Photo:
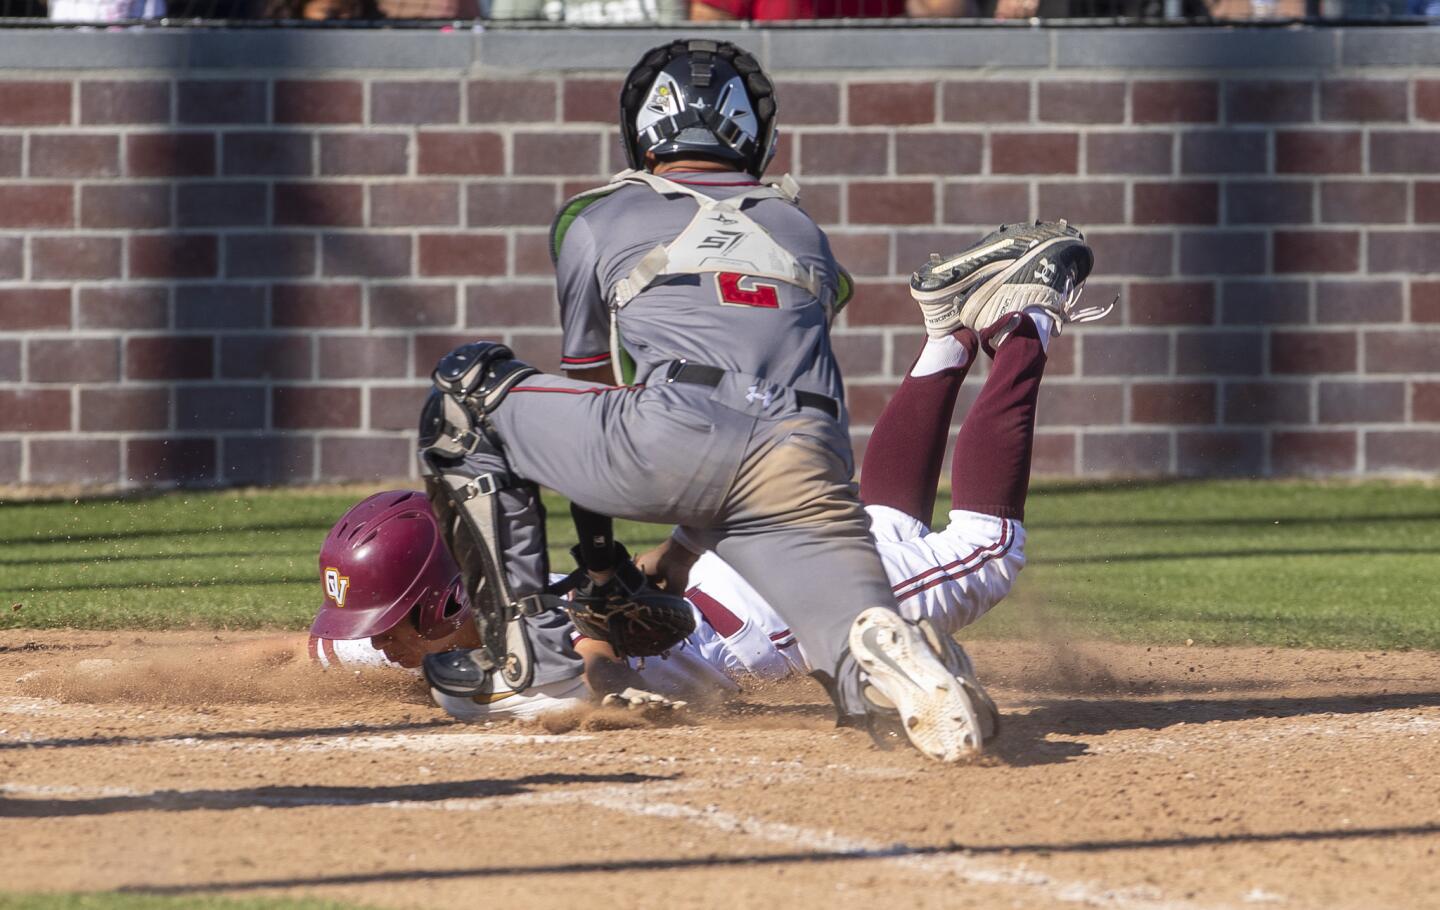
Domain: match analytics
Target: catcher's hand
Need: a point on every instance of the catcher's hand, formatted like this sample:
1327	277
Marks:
640	700
634	618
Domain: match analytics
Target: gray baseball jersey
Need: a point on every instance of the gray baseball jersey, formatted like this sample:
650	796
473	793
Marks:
770	329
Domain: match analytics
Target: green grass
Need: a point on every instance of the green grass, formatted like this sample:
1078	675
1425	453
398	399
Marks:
1274	563
107	900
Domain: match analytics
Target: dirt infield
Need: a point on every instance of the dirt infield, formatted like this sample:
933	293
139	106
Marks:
1125	777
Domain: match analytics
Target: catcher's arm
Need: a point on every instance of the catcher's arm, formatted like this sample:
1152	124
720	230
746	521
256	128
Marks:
668	565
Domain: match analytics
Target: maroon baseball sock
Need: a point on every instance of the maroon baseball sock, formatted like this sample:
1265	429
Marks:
991	469
907	449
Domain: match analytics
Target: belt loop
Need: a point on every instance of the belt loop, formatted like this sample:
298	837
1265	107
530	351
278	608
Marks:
675	367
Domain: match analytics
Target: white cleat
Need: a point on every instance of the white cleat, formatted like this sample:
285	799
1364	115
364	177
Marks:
936	707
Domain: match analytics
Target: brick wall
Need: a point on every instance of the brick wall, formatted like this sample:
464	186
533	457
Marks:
242	274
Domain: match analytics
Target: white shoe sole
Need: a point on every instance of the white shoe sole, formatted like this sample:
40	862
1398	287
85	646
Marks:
935	707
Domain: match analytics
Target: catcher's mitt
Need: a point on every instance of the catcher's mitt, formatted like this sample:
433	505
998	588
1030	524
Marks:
635	618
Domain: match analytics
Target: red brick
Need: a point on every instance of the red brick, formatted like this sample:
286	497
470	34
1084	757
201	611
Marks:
1034	153
1425	301
1001	102
862	253
489	305
220	407
1317	152
1405	152
10	357
320	204
431	346
415	102
821	202
809	103
1364	100
350	154
125	205
1271	101
1223	152
315	305
398	407
12	257
11	456
1087	102
561	154
125	102
366	255
36	205
118	409
881	303
1128	153
405	204
219	306
1128	354
1222	253
1207	454
1266	302
365	357
34	103
891	203
526	101
1363	402
269	255
267	154
590	100
460	153
986	202
509	203
72	360
1200	353
1083	203
74	155
1312	453
319	101
169	357
1175	102
1125	454
1403	450
1170	303
1172	403
1132	253
1404	251
265	460
1267	403
222	204
220	101
124	307
1085	404
266	357
1313	352
74	258
1370	201
939	153
179	460
24	309
170	154
891	103
1359	301
462	254
412	305
1176	203
1426	403
531	254
1053	455
844	153
1317	251
34	410
365	457
1269	202
12	150
316	407
859	355
174	256
1427	99
866	400
83	462
1412	351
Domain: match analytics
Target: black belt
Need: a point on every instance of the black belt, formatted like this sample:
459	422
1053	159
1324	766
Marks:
700	374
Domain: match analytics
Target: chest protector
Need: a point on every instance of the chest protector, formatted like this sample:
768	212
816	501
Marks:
720	238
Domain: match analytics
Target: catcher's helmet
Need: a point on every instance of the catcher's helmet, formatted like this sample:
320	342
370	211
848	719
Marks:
701	99
384	560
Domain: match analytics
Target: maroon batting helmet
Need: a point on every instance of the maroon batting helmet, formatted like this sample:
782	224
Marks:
383	561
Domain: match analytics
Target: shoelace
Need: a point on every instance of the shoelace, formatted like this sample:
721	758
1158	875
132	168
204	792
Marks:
1068	312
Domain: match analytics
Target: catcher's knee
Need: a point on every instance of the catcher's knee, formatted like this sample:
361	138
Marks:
469	384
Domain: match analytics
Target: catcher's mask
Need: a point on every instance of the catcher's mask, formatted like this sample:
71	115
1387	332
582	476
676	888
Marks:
699	99
384	561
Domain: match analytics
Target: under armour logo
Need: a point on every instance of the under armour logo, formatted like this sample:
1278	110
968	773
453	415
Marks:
754	394
1045	270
